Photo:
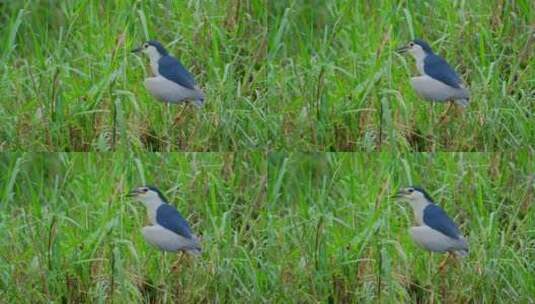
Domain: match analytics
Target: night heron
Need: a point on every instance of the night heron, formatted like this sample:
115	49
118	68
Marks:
435	230
438	81
169	230
172	82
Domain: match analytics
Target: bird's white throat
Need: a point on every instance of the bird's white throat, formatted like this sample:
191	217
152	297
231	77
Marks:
154	57
418	206
152	204
419	54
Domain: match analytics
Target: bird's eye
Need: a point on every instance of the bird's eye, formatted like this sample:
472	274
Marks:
411	44
411	190
146	45
145	190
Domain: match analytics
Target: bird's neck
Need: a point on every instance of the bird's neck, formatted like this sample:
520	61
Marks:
152	205
420	64
418	207
154	58
420	56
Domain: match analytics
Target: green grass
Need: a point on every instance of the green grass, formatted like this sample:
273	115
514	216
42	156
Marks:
283	228
69	234
280	78
345	241
339	85
293	75
68	81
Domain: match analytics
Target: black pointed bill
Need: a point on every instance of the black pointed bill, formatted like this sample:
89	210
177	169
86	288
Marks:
133	193
400	194
403	49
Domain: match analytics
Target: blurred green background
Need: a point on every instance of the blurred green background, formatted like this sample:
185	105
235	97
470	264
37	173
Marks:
344	240
278	228
337	83
69	234
68	81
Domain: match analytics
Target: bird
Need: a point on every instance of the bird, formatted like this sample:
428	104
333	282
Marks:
436	231
438	80
172	82
169	230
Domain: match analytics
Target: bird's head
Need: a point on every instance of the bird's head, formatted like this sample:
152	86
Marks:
148	195
417	48
152	48
414	195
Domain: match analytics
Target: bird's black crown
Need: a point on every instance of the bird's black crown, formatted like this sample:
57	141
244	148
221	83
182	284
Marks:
160	194
158	46
420	189
424	45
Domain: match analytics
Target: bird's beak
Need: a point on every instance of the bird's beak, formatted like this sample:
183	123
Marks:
137	50
133	193
403	49
399	195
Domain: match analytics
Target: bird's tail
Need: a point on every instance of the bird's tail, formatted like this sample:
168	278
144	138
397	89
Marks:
199	100
199	103
462	102
461	253
462	248
195	249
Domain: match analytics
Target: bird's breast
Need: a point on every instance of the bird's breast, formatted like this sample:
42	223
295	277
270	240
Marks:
420	65
419	216
154	68
152	216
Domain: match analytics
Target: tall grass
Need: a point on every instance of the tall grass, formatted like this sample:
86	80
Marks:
70	235
292	227
297	75
339	85
344	240
68	81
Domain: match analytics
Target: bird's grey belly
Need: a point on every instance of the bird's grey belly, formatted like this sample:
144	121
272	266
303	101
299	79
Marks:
433	240
435	90
167	240
168	91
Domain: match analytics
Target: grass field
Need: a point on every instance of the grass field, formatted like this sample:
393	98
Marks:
345	241
306	228
281	218
340	86
68	81
69	234
282	75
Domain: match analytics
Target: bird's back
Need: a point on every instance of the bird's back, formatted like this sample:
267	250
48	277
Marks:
172	69
436	67
437	219
168	217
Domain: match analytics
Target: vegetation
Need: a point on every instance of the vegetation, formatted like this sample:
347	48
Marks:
68	81
344	240
69	234
293	75
341	86
281	218
301	228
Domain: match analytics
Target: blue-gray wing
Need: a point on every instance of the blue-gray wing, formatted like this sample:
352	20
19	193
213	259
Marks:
171	68
167	216
439	69
437	219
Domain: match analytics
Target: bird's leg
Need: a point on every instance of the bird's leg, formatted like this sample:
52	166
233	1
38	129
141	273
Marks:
443	263
177	262
163	274
443	287
443	116
179	116
429	263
